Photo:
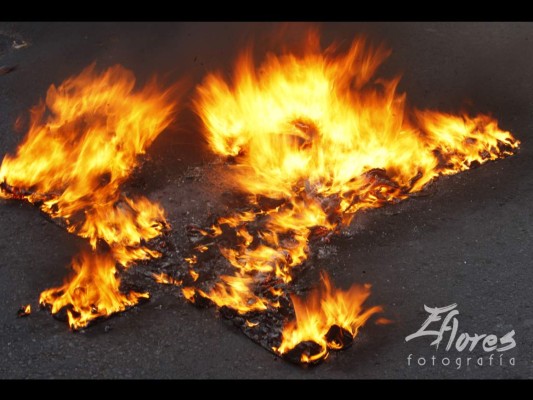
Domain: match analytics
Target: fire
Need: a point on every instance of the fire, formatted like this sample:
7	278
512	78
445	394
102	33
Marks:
314	139
165	279
24	311
82	145
323	138
329	318
92	291
235	293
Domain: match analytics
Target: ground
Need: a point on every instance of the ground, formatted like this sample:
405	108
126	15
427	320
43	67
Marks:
468	242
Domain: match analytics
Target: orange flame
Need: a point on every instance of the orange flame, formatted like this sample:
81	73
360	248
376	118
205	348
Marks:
235	292
323	309
92	291
24	311
166	279
326	138
82	144
319	123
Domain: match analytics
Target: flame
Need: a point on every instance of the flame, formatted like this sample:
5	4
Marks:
318	135
323	309
194	275
92	291
325	138
24	311
188	293
82	145
235	292
318	124
166	279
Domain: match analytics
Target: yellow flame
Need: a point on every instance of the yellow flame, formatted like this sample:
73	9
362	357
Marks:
320	311
235	292
166	279
24	311
321	134
82	144
92	291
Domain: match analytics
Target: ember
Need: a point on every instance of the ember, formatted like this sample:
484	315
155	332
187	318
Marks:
24	311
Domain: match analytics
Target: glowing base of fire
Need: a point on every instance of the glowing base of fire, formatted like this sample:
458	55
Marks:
327	319
92	292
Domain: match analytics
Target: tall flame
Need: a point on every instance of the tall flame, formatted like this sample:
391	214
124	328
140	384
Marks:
81	146
326	138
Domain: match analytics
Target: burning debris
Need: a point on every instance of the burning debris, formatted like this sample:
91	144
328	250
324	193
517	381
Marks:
321	138
82	145
328	318
24	311
92	291
310	141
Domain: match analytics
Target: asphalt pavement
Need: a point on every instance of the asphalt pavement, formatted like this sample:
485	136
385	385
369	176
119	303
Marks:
469	242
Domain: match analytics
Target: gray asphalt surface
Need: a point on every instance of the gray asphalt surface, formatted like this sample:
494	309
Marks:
469	242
